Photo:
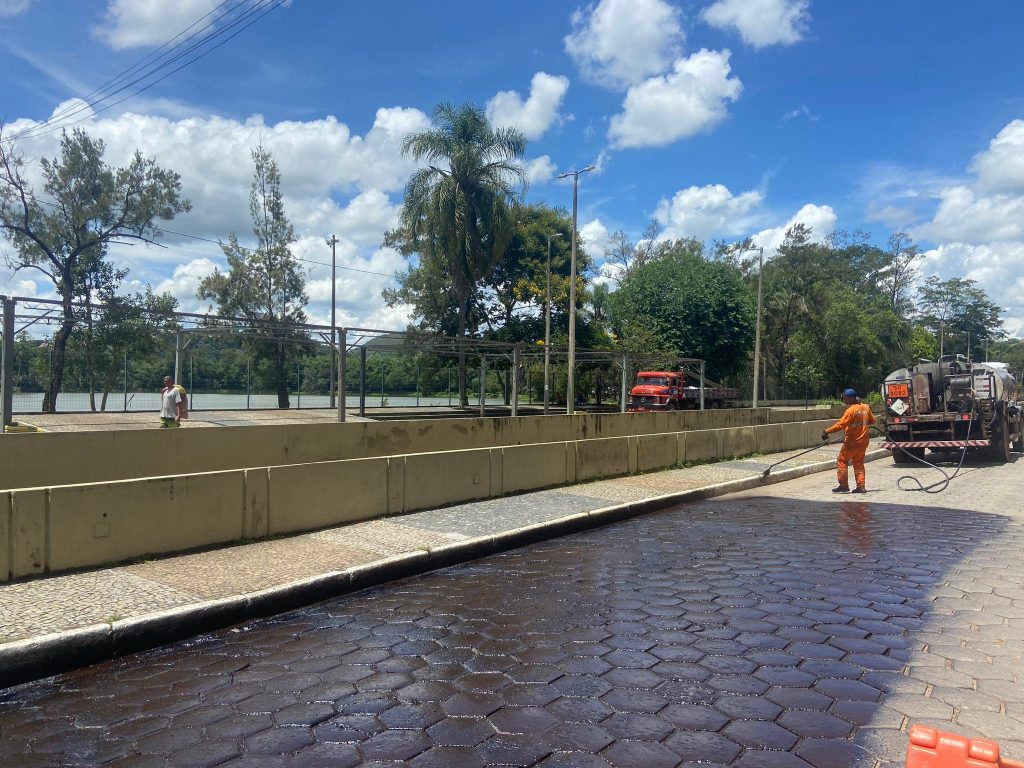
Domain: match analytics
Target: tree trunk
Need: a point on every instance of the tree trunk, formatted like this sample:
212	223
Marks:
60	343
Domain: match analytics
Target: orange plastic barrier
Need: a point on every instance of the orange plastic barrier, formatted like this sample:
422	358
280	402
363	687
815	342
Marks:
931	748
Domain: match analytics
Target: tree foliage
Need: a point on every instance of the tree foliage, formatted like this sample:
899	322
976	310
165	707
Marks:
457	216
266	284
90	205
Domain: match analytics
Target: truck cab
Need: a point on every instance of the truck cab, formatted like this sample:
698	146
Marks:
656	391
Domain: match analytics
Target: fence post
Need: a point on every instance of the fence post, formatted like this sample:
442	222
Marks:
515	381
702	385
483	383
7	367
625	382
362	380
126	382
342	354
298	384
178	372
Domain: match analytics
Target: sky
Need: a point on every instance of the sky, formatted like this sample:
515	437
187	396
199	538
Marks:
718	118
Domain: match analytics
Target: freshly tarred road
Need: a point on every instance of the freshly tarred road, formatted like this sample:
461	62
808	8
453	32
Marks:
751	630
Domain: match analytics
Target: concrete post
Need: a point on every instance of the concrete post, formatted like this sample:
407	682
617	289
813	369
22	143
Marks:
178	350
362	380
483	384
342	349
625	383
7	367
702	385
515	381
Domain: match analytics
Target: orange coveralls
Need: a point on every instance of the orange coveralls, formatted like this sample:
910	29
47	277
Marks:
856	420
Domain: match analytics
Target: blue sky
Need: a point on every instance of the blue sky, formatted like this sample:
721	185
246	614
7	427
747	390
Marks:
720	118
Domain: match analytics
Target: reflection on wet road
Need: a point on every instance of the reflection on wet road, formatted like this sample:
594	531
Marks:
747	631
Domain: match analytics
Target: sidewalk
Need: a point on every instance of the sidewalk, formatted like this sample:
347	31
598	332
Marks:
52	624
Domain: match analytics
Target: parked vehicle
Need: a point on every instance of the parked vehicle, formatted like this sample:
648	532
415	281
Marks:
952	404
668	391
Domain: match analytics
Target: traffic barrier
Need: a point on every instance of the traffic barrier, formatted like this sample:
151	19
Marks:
79	525
932	748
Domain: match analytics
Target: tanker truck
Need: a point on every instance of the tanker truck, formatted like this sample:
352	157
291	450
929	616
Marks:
952	404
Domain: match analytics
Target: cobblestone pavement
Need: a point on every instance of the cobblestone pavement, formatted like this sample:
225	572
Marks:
779	627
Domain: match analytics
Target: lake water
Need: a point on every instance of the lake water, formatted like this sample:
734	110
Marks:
78	402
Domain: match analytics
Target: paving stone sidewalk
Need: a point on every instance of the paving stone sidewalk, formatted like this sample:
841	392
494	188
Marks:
62	603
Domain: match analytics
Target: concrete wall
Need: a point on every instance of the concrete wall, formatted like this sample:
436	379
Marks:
48	459
71	526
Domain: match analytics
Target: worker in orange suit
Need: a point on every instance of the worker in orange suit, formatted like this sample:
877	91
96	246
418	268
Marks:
856	421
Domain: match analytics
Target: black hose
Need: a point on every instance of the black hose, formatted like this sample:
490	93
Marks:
946	477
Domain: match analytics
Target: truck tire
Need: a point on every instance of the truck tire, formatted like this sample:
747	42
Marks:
671	405
999	451
715	404
1018	444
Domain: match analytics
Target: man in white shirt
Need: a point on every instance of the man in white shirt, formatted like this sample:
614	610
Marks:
171	404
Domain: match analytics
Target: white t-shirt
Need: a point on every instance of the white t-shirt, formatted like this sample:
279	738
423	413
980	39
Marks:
170	397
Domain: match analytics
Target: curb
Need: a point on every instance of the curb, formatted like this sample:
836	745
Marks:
22	661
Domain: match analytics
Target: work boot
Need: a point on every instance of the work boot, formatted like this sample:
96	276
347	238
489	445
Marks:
860	489
841	489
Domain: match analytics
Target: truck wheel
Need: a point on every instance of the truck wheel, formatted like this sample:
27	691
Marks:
903	456
999	451
671	405
1018	444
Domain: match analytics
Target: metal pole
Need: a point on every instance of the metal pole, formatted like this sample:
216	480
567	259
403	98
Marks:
382	382
126	382
7	367
625	383
570	387
547	331
248	385
298	384
702	385
515	381
757	328
449	387
483	383
417	383
333	242
362	380
342	348
178	349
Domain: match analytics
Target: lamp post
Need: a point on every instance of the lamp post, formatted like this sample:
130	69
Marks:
547	330
757	329
570	388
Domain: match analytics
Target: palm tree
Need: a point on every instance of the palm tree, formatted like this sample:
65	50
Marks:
459	210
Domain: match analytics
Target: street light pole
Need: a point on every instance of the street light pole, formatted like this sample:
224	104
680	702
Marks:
547	330
757	329
333	242
570	388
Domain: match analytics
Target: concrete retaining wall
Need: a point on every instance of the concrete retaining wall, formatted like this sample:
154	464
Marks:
66	458
71	526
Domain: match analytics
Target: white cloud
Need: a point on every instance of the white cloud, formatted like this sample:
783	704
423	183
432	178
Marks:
965	217
594	238
9	8
539	170
801	111
620	42
709	210
1000	168
135	23
535	115
184	283
690	99
761	22
820	218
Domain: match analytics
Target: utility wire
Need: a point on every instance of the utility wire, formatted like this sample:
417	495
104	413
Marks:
259	11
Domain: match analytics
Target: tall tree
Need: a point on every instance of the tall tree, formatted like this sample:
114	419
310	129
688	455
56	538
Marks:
91	205
696	307
458	211
266	285
897	274
958	312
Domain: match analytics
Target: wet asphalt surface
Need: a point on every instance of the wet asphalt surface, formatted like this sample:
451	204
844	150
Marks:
744	631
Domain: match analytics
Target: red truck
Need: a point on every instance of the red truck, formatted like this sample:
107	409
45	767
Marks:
667	391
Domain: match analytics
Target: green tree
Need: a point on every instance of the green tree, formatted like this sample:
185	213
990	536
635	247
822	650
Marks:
458	212
696	307
91	205
959	313
265	285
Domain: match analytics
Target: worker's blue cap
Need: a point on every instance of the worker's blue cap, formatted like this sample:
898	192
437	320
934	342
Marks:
849	393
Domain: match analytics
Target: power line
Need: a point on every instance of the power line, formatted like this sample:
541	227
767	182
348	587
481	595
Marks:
261	9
